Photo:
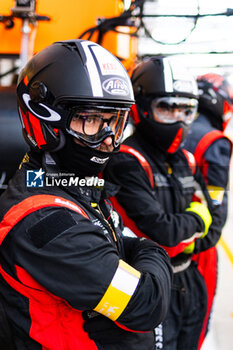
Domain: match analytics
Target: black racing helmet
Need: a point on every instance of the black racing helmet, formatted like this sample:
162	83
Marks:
66	77
160	76
160	84
215	99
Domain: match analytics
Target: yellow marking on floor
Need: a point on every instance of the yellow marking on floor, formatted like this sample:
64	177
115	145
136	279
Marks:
226	249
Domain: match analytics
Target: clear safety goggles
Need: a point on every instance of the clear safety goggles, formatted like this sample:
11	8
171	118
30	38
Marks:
173	109
93	125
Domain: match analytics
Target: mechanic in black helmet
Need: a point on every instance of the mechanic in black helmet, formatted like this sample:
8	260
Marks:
212	149
66	270
156	187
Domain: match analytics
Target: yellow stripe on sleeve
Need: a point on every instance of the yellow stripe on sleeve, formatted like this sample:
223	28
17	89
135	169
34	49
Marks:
216	193
119	292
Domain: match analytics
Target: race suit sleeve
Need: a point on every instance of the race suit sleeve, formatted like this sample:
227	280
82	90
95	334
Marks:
73	259
216	172
142	204
217	160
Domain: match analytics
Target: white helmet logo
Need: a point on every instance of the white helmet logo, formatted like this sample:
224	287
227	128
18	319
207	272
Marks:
116	86
53	117
183	86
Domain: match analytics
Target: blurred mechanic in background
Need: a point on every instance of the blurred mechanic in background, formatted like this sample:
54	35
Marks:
156	187
212	150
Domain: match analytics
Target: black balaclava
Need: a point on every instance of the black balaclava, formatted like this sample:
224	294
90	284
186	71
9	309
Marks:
167	137
81	160
214	119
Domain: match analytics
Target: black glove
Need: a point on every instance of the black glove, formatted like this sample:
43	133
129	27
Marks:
136	247
101	328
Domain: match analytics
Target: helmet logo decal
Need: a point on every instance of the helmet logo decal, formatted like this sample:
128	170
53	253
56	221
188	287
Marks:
53	116
183	85
108	64
116	86
109	68
100	63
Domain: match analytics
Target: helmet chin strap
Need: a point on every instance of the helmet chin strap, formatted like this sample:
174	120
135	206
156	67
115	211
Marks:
62	141
49	164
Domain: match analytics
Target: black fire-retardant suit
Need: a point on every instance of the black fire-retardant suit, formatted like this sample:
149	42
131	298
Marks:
61	252
159	213
212	150
215	155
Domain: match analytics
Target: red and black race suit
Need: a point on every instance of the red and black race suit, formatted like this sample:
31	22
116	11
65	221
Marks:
58	260
158	212
212	150
213	155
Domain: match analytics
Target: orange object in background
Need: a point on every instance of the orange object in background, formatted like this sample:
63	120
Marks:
68	20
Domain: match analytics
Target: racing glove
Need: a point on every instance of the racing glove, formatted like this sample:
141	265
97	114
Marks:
203	212
189	249
138	248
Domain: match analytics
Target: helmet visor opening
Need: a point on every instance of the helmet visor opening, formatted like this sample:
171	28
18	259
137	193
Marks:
173	109
93	125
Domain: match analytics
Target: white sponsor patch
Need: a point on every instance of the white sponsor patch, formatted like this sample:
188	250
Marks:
125	281
186	181
107	62
159	337
99	160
